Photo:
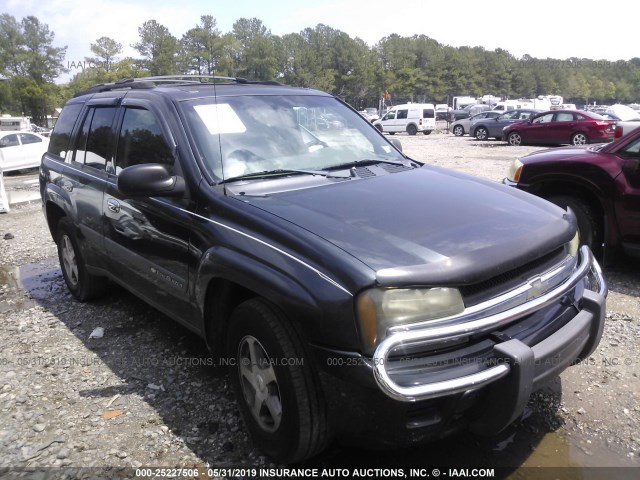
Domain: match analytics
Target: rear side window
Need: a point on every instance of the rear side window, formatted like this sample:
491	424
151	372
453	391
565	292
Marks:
564	117
61	135
27	138
96	138
141	140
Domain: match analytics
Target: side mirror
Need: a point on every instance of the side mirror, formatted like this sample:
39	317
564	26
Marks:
396	143
150	180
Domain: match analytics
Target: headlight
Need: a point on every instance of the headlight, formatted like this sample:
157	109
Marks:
515	170
379	309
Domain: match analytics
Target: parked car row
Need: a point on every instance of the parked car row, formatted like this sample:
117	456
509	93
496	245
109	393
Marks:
531	126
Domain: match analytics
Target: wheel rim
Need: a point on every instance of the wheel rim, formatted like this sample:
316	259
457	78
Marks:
259	384
69	260
481	134
515	139
579	139
458	131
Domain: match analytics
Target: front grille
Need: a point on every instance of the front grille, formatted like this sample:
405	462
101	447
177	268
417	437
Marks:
479	292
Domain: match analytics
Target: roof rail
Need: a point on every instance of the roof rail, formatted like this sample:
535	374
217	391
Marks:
152	82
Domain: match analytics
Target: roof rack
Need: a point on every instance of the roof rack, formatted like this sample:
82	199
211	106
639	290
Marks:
152	82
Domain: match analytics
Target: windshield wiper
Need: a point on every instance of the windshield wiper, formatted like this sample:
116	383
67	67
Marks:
279	172
371	161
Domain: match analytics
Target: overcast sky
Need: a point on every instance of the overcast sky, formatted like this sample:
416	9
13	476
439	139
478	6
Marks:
542	29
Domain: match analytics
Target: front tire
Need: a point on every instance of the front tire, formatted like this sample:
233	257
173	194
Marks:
588	226
514	139
274	383
481	133
82	285
458	130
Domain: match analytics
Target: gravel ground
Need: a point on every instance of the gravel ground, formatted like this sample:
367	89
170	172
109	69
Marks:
146	393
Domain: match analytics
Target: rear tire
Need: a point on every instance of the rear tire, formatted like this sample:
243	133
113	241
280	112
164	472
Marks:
427	132
588	226
579	139
274	383
412	129
83	285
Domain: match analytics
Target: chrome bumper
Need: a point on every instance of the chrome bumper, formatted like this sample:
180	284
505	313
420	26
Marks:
473	322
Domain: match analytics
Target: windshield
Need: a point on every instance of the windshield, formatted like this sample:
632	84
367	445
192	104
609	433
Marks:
241	135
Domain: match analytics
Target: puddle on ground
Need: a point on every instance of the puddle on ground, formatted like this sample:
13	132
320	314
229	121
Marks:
528	444
22	287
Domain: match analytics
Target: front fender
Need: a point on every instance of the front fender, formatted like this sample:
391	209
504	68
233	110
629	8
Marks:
320	310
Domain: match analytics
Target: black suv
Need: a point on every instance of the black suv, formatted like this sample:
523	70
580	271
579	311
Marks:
354	292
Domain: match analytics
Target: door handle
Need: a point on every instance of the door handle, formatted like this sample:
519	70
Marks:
113	205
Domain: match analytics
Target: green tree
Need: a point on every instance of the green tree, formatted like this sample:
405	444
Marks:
31	63
158	48
254	50
106	51
203	49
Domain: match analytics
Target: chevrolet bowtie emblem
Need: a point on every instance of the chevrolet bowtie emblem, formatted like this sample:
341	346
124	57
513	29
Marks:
537	288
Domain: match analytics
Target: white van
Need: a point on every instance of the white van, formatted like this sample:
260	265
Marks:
411	118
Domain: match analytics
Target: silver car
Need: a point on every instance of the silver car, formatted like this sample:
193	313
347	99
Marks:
462	126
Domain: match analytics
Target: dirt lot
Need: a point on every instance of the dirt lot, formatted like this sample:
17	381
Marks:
146	395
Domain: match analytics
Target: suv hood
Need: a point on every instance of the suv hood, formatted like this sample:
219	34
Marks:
428	225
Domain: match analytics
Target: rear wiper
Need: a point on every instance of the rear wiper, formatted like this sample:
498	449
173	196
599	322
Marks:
371	161
280	172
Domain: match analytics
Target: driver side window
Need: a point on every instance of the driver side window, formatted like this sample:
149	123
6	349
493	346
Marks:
141	140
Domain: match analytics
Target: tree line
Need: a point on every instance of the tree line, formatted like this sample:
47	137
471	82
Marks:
416	68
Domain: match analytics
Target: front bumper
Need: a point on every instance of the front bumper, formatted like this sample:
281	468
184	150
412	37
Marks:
513	368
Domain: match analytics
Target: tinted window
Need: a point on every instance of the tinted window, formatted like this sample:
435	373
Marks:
61	135
27	138
9	141
632	150
95	140
141	140
402	114
428	113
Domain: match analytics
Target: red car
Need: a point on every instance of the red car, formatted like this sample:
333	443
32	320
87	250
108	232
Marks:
556	127
600	183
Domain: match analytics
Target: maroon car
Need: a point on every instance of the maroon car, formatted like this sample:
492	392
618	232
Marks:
600	183
558	127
